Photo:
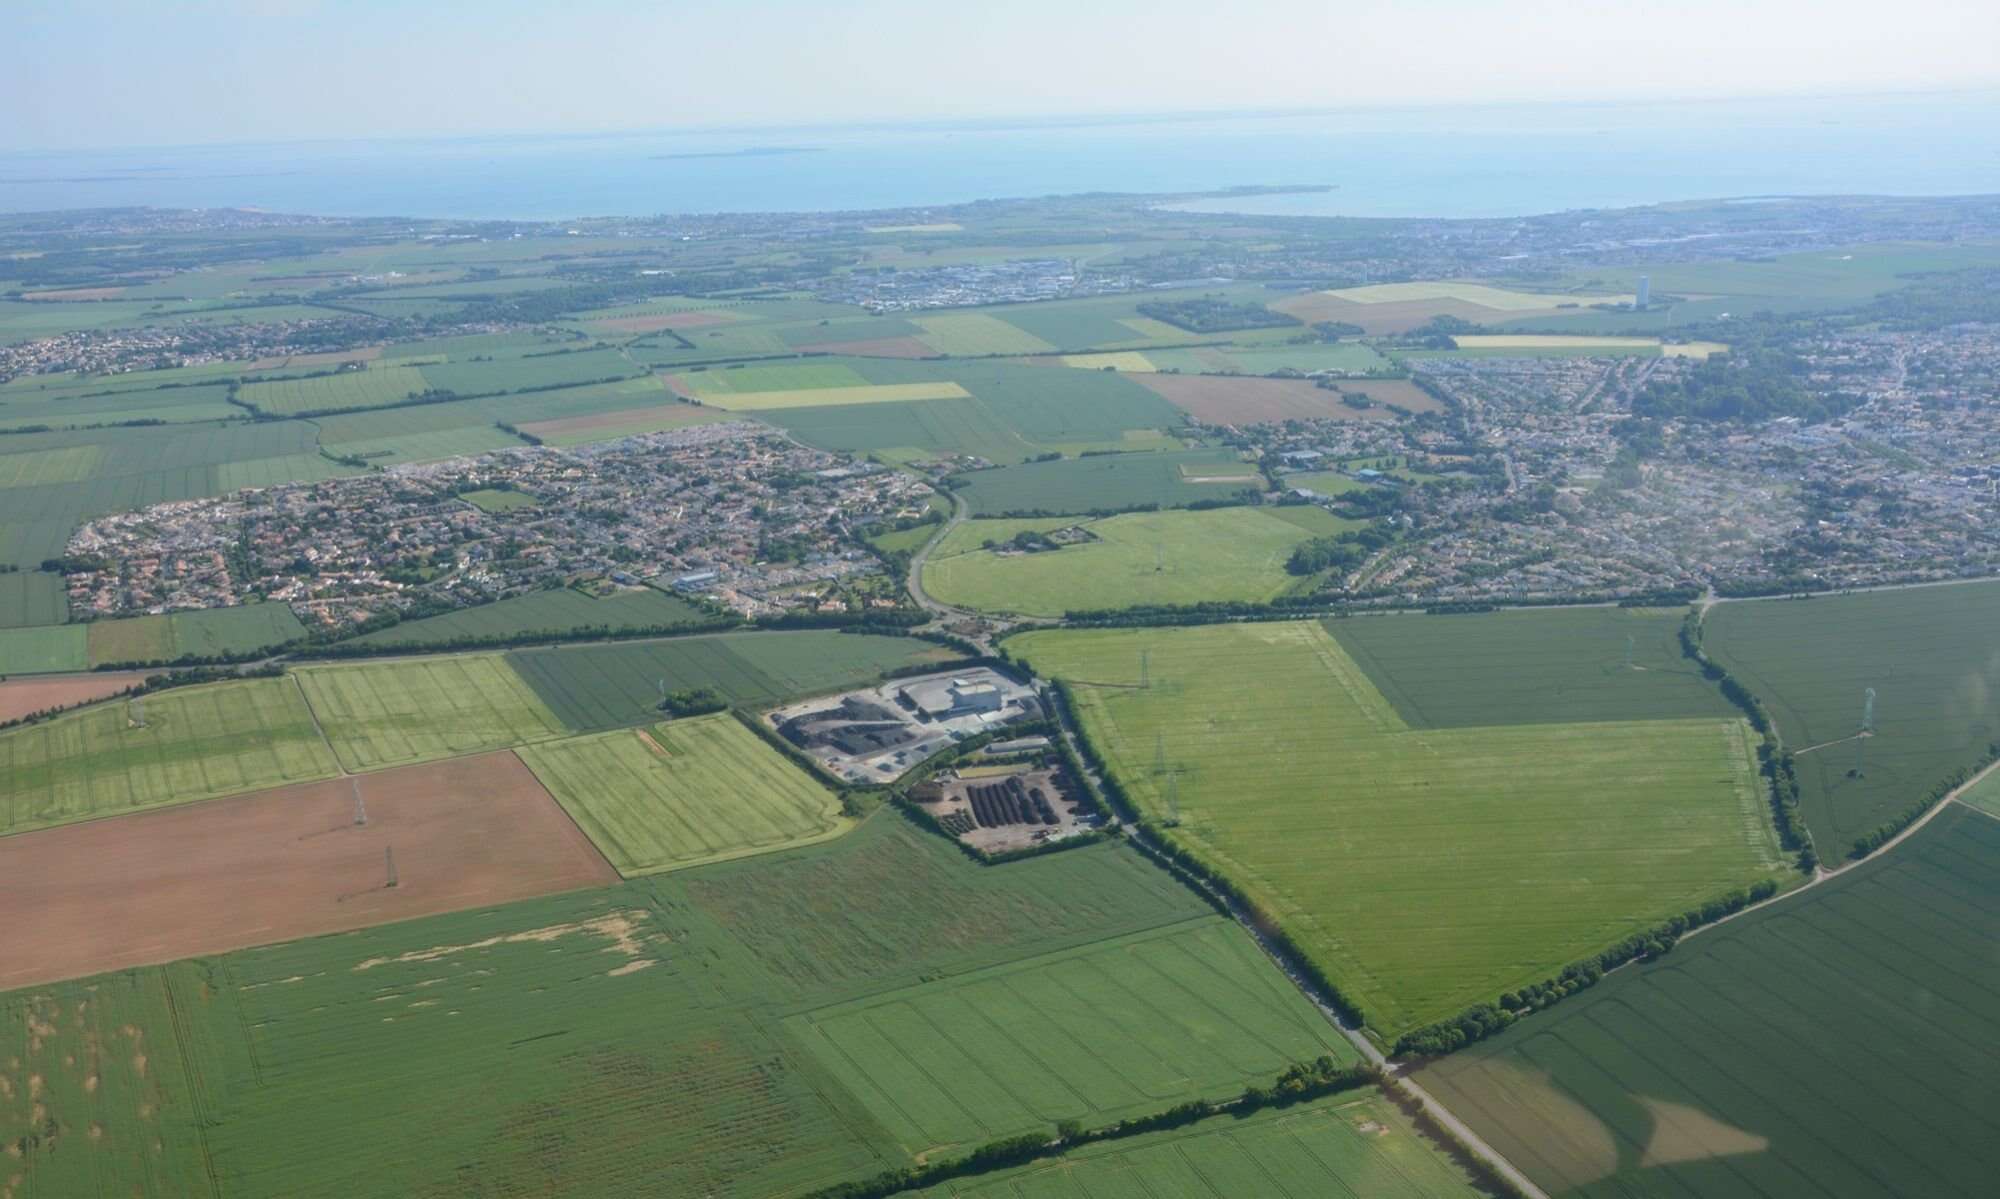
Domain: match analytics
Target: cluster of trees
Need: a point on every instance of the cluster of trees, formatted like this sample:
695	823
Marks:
696	701
1342	551
1758	380
1773	759
1212	314
1482	1020
590	632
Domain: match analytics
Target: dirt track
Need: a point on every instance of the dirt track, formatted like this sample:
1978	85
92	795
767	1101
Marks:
281	864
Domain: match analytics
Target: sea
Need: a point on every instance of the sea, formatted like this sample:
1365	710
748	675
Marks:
1415	162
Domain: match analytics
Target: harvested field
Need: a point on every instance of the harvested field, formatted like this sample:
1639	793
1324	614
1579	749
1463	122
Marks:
63	294
285	863
1223	400
23	697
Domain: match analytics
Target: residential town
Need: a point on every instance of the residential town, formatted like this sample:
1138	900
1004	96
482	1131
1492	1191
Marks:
731	511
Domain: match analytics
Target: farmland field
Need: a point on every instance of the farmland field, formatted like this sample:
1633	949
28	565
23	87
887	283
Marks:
1510	851
682	793
31	597
821	397
1227	400
1530	667
741	380
1830	1044
1138	558
612	1042
197	743
199	633
593	687
563	610
1241	360
543	370
1357	1145
1110	481
43	649
290	862
912	909
378	714
66	465
488	499
24	697
1932	656
1115	1029
975	333
373	387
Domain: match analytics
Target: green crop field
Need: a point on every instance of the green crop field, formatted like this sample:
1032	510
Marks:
683	793
1137	558
544	370
1932	656
66	465
603	686
486	499
388	713
1110	481
1115	1029
31	597
1985	795
371	388
103	401
196	743
1509	851
1834	1043
1530	667
204	633
752	380
43	649
1349	1146
602	1043
563	610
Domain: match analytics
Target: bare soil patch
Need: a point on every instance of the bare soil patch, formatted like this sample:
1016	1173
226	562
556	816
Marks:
24	697
285	863
65	294
1244	400
880	347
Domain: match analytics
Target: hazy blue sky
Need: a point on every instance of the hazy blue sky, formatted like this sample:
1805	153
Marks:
135	72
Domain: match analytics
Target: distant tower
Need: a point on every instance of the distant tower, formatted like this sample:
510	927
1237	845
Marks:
1645	292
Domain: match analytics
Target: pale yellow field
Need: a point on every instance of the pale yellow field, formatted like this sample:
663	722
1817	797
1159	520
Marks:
1124	360
973	333
819	397
1693	349
1470	293
1146	326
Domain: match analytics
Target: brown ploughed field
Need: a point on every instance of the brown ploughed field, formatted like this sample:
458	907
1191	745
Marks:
22	697
282	864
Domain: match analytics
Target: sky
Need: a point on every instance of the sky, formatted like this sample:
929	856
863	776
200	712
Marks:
105	73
